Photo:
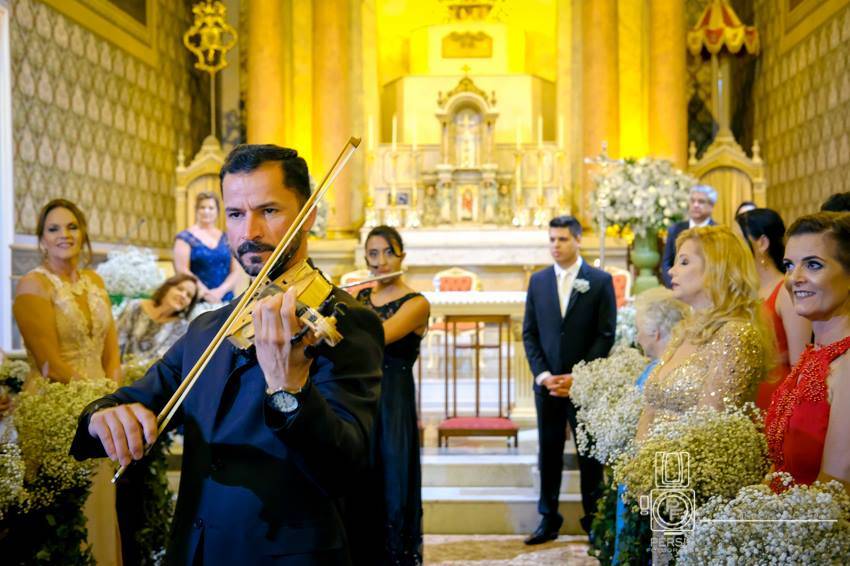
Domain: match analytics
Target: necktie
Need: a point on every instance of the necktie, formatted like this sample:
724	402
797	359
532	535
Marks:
563	299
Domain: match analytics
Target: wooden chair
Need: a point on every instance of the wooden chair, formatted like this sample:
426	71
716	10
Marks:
450	280
478	424
622	279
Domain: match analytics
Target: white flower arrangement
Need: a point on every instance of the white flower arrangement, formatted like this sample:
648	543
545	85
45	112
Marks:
581	285
11	475
626	332
803	525
608	402
644	194
131	272
46	420
727	451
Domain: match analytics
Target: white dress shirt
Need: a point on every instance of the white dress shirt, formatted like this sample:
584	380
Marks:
564	278
692	224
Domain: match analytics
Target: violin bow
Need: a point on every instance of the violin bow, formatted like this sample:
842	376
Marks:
252	293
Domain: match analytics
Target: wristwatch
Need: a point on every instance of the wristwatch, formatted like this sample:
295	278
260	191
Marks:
283	401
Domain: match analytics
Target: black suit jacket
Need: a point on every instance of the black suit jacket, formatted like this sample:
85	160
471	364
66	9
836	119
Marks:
585	333
669	256
256	485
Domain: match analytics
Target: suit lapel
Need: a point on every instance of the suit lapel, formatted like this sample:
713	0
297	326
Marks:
582	274
550	294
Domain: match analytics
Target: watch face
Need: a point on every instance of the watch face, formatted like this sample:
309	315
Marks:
283	402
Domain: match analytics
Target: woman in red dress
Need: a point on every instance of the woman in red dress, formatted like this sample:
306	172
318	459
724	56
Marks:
764	231
808	423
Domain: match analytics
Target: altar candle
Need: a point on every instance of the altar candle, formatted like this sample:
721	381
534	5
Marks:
539	131
371	145
518	136
561	132
395	132
414	135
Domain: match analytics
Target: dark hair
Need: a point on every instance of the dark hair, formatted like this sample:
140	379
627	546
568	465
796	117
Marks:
390	234
567	221
206	195
742	205
839	202
72	208
174	281
765	222
245	158
835	224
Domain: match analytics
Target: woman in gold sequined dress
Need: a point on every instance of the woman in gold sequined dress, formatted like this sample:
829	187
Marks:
718	355
66	322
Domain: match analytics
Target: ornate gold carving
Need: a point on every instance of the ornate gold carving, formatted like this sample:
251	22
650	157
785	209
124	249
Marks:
467	45
465	10
466	85
210	37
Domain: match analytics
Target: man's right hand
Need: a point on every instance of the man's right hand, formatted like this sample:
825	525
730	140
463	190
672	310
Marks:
558	385
124	430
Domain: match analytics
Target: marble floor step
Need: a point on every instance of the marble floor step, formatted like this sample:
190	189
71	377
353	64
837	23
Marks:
491	510
487	470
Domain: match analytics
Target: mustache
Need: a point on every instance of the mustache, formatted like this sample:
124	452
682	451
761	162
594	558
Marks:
251	246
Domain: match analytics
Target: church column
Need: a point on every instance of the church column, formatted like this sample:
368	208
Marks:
265	98
668	114
332	121
600	86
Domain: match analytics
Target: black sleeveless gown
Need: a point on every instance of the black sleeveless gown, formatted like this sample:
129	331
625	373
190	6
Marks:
397	443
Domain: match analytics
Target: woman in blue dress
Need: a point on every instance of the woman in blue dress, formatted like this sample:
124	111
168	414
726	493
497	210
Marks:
202	251
405	314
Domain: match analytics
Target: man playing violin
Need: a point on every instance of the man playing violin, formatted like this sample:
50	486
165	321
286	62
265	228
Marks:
275	434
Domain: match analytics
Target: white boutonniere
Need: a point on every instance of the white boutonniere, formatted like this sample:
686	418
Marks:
581	285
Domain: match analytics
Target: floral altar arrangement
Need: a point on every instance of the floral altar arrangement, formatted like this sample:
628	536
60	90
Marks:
41	499
128	273
726	450
637	199
608	403
801	525
642	195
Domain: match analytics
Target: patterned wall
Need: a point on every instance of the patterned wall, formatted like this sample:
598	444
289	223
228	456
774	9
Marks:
97	126
802	111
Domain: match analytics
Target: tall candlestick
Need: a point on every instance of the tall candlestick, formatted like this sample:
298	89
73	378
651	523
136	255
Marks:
395	133
561	132
539	131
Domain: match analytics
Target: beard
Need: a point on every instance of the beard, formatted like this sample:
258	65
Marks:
254	264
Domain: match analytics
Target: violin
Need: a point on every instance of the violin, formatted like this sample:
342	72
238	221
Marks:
315	307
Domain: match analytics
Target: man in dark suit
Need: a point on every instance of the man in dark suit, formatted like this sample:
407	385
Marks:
700	206
274	435
570	316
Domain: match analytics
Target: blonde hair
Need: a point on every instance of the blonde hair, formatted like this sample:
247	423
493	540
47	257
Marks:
730	281
660	311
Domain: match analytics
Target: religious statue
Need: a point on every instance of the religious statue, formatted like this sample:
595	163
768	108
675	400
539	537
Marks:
504	209
430	206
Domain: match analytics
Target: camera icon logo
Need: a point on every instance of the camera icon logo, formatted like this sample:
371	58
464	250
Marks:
671	505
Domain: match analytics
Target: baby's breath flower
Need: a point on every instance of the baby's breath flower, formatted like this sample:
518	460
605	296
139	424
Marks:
802	525
608	403
131	272
46	420
727	450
